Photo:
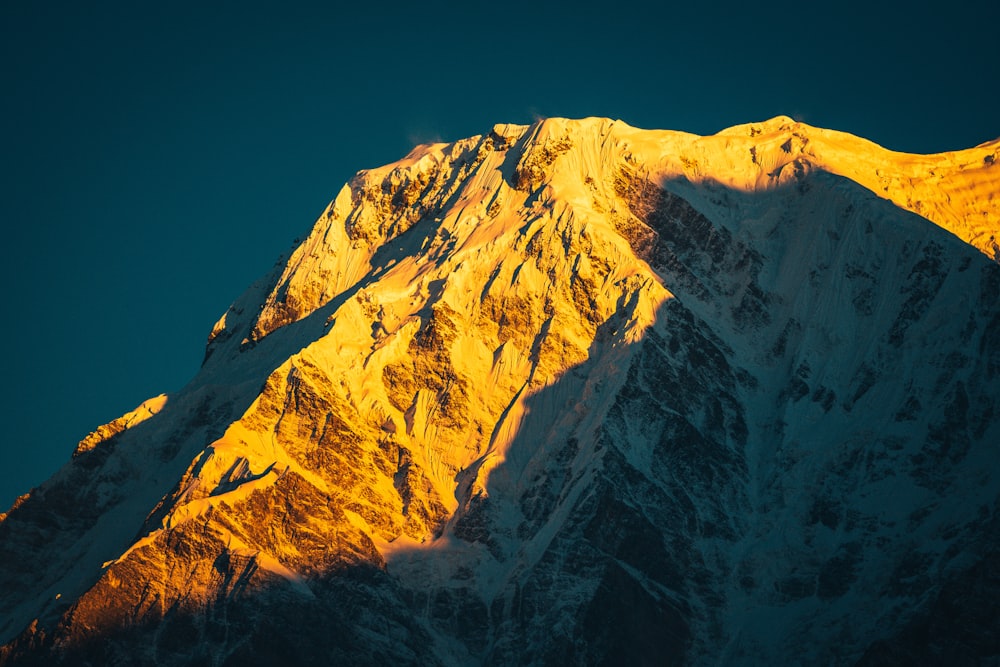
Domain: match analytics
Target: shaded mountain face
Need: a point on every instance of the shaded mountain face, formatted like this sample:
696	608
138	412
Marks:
572	393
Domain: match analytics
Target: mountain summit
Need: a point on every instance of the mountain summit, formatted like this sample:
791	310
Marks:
566	393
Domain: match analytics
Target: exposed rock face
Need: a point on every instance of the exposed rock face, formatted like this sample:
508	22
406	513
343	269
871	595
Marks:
573	393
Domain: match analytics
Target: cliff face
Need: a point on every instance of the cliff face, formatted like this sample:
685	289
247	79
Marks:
559	394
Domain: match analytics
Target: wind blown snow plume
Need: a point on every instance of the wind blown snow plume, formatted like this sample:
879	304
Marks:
567	393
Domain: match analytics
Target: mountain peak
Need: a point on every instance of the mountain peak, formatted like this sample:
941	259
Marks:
573	391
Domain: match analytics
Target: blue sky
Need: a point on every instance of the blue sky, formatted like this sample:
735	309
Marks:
158	158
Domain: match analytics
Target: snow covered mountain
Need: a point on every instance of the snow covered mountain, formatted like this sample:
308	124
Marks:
567	393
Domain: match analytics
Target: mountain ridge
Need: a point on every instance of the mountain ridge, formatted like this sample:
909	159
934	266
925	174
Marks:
562	365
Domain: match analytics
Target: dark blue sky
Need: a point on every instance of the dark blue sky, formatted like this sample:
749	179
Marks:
158	157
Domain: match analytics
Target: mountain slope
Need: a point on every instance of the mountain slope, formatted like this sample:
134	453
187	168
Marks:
568	393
